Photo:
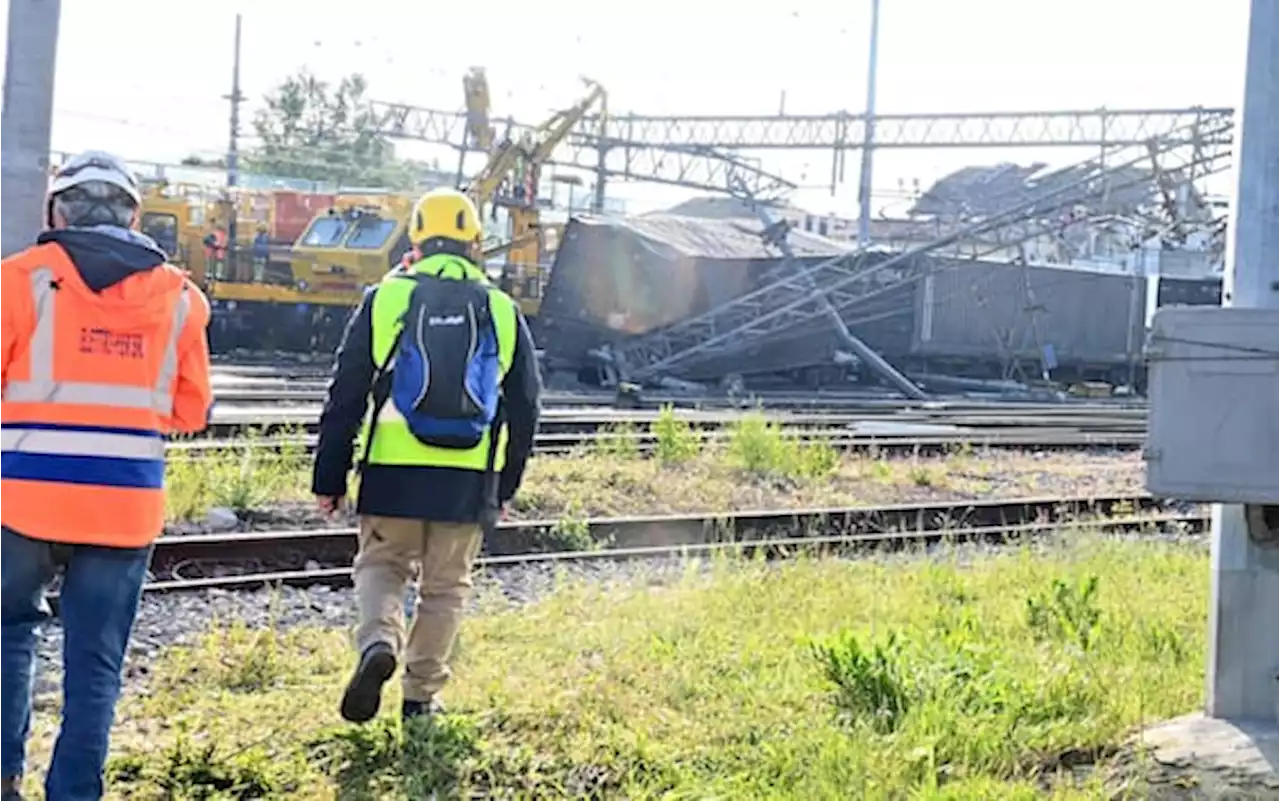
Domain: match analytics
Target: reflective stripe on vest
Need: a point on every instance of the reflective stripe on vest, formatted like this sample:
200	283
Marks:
108	457
41	388
86	454
394	444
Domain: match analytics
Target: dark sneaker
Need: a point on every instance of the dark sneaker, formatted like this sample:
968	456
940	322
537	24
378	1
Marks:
421	709
363	695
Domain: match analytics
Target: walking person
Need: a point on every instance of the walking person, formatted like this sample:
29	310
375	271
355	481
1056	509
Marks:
104	351
447	361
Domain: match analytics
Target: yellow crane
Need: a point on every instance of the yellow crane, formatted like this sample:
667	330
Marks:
509	180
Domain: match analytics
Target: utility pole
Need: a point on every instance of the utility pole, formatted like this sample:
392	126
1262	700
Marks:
233	146
27	124
868	142
1242	615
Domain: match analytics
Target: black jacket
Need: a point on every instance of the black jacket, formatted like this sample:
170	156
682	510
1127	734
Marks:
425	493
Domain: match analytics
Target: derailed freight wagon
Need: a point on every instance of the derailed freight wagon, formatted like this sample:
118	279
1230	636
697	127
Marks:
619	278
1001	320
615	278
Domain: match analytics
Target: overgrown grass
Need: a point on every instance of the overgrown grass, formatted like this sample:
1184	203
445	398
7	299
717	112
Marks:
756	466
239	478
959	675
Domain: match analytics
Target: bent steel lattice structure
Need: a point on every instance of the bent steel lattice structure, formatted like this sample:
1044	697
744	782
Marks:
842	282
691	151
690	166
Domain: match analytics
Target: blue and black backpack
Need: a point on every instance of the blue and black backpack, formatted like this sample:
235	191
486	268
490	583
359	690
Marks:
443	373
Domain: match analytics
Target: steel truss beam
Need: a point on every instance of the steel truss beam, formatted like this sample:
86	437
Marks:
696	168
692	167
843	131
801	297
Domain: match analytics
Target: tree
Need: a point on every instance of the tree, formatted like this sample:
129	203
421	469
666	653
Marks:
312	130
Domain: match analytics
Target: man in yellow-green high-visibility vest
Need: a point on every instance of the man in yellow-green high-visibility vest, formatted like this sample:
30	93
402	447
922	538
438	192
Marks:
421	507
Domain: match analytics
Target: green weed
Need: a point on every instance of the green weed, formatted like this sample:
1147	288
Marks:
893	677
617	441
759	446
675	440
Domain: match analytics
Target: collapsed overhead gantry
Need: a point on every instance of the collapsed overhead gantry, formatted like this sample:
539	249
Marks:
775	233
804	294
681	150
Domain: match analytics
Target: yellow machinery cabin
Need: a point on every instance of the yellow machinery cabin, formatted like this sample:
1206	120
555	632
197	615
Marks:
181	218
340	252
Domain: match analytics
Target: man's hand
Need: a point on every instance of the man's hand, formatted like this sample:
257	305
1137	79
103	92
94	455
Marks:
329	504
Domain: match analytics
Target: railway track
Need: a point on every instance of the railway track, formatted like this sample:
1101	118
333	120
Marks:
227	420
310	390
927	429
567	443
266	386
844	419
323	556
268	391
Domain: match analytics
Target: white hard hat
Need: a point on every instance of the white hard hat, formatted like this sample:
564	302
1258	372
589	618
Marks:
95	165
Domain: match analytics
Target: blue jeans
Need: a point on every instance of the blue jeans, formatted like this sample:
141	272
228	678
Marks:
98	601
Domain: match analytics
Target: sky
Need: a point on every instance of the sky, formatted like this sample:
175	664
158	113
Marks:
146	78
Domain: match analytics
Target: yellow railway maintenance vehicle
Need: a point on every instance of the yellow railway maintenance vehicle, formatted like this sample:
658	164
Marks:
300	300
179	217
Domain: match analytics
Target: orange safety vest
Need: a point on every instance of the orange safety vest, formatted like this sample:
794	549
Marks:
88	396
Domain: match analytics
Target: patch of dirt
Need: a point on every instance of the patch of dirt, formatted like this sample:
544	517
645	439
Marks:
1134	773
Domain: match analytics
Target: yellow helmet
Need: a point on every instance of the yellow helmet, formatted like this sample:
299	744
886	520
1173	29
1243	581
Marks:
444	214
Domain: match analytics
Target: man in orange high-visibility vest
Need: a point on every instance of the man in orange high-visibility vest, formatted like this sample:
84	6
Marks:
104	352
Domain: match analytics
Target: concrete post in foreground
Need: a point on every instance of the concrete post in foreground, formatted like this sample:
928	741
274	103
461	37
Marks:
25	130
1243	605
869	142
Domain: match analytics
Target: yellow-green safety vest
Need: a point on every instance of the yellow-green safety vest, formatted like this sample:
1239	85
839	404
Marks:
395	444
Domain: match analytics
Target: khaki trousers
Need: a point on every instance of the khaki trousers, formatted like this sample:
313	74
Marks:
392	550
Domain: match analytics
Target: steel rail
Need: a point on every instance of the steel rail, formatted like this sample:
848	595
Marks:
300	392
644	442
338	544
230	419
772	546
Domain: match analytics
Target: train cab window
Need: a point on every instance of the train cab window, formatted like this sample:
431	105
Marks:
163	228
325	232
371	232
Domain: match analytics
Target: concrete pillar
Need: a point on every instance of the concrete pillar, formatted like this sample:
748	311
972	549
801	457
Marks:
1243	639
27	123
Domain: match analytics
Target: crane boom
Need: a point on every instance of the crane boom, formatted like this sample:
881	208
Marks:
532	148
522	159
